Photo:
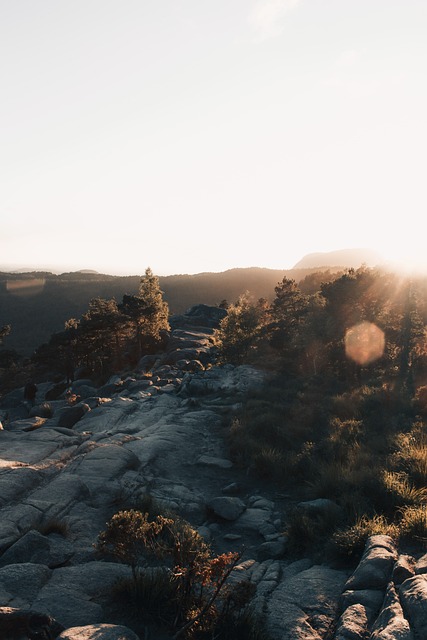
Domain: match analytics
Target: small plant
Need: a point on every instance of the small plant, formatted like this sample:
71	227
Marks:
401	491
43	410
71	398
411	454
308	532
192	582
270	463
413	523
348	544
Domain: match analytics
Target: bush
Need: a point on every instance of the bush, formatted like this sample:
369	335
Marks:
411	454
130	537
307	532
348	544
413	523
192	587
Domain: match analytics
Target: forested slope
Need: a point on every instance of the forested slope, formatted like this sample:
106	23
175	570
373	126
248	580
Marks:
38	304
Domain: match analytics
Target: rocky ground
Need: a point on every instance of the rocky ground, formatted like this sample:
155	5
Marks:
158	434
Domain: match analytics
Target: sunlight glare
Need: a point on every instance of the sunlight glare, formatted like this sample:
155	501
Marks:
364	343
26	287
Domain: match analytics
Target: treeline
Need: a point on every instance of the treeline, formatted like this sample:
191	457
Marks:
109	335
36	305
341	417
359	325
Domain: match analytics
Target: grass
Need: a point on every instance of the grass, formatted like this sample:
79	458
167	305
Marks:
413	523
358	449
347	544
307	533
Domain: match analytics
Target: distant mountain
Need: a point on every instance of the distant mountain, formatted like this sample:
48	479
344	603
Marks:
350	258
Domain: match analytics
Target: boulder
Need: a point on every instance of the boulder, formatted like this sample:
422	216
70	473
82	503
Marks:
69	416
98	632
304	605
413	596
73	594
227	507
403	569
52	551
421	564
43	410
25	580
391	624
353	624
19	623
375	568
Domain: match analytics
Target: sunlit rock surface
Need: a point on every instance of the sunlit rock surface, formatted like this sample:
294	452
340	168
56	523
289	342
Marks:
158	434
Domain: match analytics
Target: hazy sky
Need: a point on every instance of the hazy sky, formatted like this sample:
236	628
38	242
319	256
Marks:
201	135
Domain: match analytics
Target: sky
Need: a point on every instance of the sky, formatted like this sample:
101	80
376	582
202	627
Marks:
203	135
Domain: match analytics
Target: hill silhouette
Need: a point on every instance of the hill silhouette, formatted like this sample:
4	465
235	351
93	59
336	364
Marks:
37	304
343	258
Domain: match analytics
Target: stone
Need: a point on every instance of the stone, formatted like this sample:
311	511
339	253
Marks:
274	549
212	461
43	410
256	520
368	598
72	593
403	569
421	564
69	416
375	568
319	506
16	483
52	551
18	623
98	632
227	507
232	488
413	596
24	580
304	605
391	624
353	624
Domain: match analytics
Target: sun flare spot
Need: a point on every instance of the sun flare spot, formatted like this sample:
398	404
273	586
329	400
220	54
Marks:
364	343
26	286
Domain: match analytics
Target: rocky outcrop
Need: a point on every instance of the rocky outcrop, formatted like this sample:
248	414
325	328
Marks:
157	434
383	599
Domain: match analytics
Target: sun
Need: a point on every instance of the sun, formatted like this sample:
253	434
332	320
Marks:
407	257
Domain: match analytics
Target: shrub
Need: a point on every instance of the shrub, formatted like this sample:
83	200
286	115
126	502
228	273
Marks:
150	597
270	463
348	544
194	582
411	454
400	490
130	536
307	532
420	400
413	523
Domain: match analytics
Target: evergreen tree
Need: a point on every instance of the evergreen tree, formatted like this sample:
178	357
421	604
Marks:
4	331
147	313
288	314
240	330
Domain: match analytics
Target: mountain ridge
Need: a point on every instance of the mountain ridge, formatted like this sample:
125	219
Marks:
37	304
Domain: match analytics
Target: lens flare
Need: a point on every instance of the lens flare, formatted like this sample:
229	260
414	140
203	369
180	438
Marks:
364	343
26	287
